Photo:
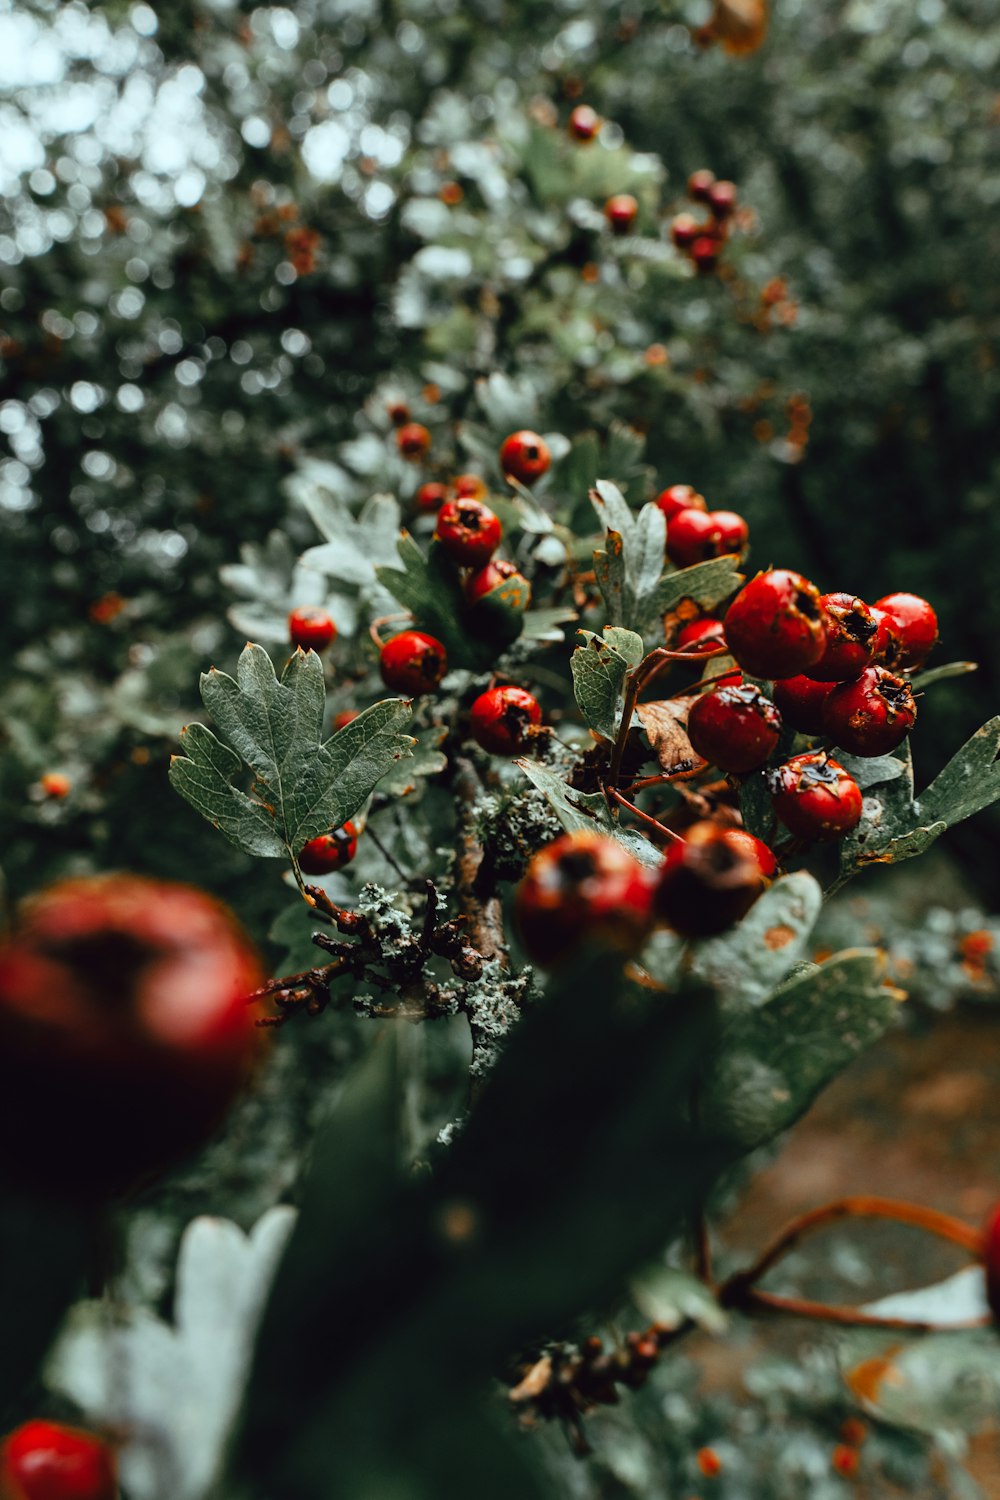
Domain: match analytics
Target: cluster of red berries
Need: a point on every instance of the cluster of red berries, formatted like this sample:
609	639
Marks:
48	1461
696	534
702	240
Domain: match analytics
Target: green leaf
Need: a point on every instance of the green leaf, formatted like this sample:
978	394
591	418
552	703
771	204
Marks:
609	566
431	588
671	1297
599	671
927	1384
543	624
753	957
873	770
707	583
427	760
356	545
587	811
301	787
921	680
969	782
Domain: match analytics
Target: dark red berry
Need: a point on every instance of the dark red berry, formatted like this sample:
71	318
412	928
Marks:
800	701
871	715
312	629
583	890
496	571
469	487
413	662
525	456
815	797
678	497
734	728
430	497
700	184
694	536
684	230
329	851
710	880
850	638
700	637
584	123
502	719
621	212
705	252
399	413
721	199
413	440
468	531
991	1260
917	624
775	627
888	640
47	1461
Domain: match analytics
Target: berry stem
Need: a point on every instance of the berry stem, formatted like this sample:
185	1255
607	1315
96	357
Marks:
851	1317
394	619
644	817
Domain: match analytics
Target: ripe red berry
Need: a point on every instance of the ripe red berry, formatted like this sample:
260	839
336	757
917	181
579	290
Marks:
917	624
991	1260
800	701
469	487
694	536
430	497
55	784
684	230
413	440
584	123
329	851
721	199
710	880
496	571
345	717
312	629
815	797
757	849
525	456
700	637
775	627
468	531
871	715
584	889
700	184
705	252
888	640
621	212
399	413
678	497
734	728
502	719
47	1461
124	1032
850	639
413	662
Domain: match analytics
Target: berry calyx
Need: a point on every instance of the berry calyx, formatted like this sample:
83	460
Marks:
584	123
678	497
888	640
413	440
991	1260
49	1461
700	184
700	637
584	889
311	629
711	879
621	212
430	497
413	662
776	627
502	719
684	230
525	456
329	851
800	701
815	797
871	715
483	580
468	531
917	624
721	199
850	639
694	536
734	728
469	487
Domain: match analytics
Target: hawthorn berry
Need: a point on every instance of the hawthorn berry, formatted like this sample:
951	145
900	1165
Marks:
700	184
502	719
124	1032
766	859
705	251
621	212
700	637
684	230
917	624
468	531
329	851
398	412
850	639
470	487
871	715
430	497
815	797
800	701
721	199
48	1461
710	879
584	889
776	627
991	1260
734	728
413	440
55	784
496	571
678	497
311	629
525	456
694	536
584	123
888	639
413	662
345	717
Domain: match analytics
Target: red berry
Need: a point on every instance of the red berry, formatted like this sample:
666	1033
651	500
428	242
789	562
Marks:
124	1032
694	536
734	728
991	1260
484	579
621	211
721	199
699	637
47	1461
468	531
775	627
850	639
329	851
700	184
502	718
413	440
312	629
55	784
399	413
413	662
430	497
584	889
684	230
710	880
584	123
678	497
705	252
871	715
765	857
917	623
469	487
888	639
800	701
525	456
815	797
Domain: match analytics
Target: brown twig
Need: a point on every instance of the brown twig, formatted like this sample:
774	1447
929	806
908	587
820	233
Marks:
644	817
850	1317
481	907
